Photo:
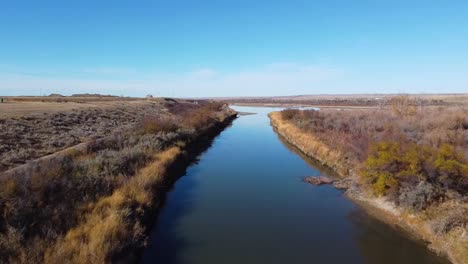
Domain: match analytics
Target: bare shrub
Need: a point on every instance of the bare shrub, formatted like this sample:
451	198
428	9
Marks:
201	116
418	197
403	105
289	114
11	244
155	124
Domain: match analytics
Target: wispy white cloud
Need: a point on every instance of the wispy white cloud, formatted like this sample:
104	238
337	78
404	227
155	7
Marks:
271	79
277	78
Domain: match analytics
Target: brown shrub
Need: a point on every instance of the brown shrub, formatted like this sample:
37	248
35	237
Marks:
155	124
289	114
201	116
403	105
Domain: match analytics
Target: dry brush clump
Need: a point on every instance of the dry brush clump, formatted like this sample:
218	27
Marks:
199	118
87	206
414	156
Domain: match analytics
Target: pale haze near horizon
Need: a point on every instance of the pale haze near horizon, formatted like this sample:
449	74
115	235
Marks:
227	48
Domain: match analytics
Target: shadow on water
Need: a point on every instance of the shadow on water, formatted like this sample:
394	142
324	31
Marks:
172	242
371	231
164	229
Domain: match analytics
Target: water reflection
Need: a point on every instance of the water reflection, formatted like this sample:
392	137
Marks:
165	229
400	248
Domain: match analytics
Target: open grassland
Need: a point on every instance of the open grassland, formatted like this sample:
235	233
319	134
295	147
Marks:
12	109
31	129
90	203
18	106
409	161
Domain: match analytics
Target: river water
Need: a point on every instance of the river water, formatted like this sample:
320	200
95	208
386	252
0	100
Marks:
243	201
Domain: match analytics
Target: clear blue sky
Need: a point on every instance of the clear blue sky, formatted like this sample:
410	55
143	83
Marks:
233	48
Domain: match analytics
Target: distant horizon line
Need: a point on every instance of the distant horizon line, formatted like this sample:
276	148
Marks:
236	97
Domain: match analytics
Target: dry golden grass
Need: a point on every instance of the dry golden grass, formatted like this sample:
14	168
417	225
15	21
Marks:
113	223
311	145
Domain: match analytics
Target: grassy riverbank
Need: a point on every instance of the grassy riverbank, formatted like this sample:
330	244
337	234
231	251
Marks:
407	168
91	203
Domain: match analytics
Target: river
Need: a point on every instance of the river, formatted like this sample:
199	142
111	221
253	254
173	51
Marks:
243	201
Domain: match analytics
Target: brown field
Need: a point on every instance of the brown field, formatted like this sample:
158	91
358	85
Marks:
31	128
27	106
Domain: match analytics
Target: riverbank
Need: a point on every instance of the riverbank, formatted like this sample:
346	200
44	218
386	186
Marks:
94	203
453	244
